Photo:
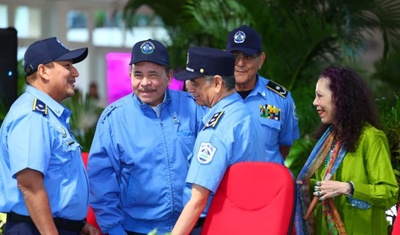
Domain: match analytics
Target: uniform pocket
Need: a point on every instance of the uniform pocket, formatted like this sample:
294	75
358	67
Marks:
271	129
186	141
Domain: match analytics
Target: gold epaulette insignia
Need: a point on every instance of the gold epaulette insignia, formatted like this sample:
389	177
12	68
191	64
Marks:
39	106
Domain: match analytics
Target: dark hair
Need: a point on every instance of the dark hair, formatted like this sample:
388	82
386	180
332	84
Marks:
229	81
355	106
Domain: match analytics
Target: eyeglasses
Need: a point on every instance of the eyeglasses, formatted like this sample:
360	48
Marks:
244	57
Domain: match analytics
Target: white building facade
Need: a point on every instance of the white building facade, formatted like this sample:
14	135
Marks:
96	24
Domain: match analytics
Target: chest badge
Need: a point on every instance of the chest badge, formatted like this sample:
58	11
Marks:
270	112
62	131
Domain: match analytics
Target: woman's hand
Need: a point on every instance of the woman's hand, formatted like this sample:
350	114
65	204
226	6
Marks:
330	189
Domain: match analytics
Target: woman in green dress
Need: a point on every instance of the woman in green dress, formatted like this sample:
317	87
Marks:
348	182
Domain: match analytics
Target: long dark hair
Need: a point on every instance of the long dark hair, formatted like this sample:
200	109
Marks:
355	106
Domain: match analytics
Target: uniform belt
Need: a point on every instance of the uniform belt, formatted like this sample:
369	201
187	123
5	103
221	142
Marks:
200	222
62	224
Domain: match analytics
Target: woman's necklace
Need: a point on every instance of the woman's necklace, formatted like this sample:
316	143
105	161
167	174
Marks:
329	155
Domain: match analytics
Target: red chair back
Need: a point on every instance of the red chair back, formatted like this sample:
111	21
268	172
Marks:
396	224
253	198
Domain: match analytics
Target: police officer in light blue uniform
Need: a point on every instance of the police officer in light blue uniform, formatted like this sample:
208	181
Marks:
231	133
138	160
269	101
44	188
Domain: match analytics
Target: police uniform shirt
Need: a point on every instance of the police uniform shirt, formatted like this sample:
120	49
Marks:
276	110
35	134
231	134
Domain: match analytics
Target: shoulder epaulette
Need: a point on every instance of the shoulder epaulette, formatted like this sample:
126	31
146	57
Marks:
39	106
280	90
213	120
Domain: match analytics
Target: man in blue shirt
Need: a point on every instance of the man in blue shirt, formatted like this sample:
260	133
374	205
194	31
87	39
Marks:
231	133
138	160
270	102
43	183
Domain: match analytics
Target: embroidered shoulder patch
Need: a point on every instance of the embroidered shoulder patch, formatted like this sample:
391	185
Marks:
280	90
206	153
39	106
213	120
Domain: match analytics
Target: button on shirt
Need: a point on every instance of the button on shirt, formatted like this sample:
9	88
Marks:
43	142
236	137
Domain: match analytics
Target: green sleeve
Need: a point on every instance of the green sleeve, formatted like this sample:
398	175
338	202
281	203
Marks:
374	183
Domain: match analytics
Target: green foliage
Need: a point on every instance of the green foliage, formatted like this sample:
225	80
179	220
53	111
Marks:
386	78
390	119
154	232
300	38
296	35
85	113
299	153
3	112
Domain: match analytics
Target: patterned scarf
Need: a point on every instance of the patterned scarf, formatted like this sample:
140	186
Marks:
314	161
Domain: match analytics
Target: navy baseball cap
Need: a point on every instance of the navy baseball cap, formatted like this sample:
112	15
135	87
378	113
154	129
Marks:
207	61
244	39
150	50
49	50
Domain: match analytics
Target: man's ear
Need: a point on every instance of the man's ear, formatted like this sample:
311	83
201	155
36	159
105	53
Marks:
217	82
261	60
169	75
43	71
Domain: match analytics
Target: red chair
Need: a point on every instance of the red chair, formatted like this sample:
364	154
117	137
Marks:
90	218
253	198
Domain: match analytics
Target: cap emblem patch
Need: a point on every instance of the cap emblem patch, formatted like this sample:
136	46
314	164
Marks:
147	47
239	37
61	44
